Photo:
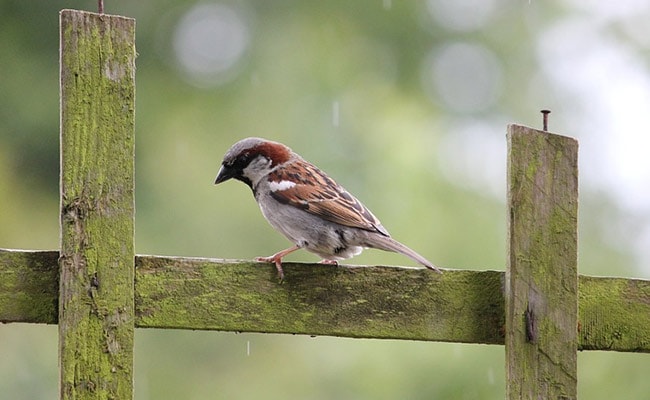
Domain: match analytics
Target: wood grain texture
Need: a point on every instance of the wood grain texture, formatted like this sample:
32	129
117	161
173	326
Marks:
541	276
29	286
370	302
96	292
244	296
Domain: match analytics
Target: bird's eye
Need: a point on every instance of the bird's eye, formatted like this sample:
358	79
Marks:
245	158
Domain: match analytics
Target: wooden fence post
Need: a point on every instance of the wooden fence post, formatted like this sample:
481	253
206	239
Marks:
96	292
541	276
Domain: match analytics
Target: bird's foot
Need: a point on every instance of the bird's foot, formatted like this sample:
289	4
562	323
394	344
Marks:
277	260
273	260
329	262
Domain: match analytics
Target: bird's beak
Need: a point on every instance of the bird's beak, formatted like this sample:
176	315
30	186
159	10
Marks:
224	174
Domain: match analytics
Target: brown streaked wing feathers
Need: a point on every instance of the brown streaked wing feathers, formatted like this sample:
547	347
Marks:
318	194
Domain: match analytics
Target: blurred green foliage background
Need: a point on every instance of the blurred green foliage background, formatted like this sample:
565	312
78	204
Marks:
404	103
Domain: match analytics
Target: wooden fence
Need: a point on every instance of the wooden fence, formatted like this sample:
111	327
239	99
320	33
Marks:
98	290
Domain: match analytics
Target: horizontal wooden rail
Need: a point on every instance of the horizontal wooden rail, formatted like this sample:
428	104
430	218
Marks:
371	302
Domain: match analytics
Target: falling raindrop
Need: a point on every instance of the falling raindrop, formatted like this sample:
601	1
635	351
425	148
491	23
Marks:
490	375
335	114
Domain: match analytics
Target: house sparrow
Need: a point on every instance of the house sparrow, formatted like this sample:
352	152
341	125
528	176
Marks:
305	205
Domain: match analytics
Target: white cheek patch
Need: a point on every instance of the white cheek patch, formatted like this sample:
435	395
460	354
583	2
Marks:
257	168
282	185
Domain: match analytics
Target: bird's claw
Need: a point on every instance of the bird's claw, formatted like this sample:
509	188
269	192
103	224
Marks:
277	260
273	260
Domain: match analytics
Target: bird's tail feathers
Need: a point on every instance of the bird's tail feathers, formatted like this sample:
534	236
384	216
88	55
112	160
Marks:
389	244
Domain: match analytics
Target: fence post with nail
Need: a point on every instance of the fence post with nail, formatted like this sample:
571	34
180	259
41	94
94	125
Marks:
541	290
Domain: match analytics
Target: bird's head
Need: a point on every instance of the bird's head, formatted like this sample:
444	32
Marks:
250	159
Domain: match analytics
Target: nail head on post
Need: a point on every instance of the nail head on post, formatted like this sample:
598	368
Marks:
545	114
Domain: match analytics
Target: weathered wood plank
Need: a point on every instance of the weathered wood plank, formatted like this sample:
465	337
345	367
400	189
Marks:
96	295
29	286
194	293
541	276
614	314
374	302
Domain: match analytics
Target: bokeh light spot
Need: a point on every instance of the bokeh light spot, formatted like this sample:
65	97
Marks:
466	77
209	41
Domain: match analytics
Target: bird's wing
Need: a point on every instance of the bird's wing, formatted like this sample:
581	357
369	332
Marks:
304	186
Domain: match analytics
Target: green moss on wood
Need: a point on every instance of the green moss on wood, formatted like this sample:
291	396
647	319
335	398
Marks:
541	290
29	286
194	293
461	306
96	296
614	314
